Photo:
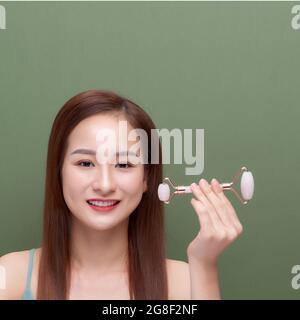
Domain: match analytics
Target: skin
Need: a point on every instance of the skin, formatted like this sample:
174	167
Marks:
104	276
219	227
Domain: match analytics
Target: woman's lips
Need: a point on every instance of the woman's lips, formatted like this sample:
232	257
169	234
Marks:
103	209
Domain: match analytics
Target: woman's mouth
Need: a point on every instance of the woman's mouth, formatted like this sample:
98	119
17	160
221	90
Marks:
103	206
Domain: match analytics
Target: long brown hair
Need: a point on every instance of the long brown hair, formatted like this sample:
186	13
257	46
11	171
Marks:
146	239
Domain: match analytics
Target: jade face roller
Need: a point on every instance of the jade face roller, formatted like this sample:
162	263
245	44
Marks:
246	186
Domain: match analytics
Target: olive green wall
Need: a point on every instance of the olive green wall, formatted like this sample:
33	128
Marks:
231	68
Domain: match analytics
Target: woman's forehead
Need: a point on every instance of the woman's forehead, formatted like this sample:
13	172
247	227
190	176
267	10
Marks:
93	130
89	128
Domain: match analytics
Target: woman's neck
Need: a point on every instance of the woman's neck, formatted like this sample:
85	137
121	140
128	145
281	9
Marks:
103	251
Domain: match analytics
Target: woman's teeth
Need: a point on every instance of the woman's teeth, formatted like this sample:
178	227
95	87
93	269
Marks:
102	203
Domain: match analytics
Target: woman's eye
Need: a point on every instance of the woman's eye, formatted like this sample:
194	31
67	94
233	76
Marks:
127	165
121	165
84	162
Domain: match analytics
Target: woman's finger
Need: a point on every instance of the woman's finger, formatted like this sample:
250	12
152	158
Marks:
216	202
229	215
221	206
210	208
203	216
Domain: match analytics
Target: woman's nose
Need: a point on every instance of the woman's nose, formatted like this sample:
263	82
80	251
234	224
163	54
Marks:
104	180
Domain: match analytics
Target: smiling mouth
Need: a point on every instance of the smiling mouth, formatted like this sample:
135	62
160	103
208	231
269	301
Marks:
103	204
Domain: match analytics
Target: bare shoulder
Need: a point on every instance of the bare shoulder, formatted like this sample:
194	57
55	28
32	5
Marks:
178	280
14	267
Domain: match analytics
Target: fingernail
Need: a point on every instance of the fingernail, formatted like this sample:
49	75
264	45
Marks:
217	184
204	183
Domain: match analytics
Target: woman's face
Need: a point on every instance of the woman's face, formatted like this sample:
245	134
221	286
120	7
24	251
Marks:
84	177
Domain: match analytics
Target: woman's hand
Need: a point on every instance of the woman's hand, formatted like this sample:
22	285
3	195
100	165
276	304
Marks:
220	225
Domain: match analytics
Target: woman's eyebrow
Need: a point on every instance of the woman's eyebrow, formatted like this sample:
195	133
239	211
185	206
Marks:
93	153
84	151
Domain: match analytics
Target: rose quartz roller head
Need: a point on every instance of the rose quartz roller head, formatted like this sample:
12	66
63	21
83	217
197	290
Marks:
246	186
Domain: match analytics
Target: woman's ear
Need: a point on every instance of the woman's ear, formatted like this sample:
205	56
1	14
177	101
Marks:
145	186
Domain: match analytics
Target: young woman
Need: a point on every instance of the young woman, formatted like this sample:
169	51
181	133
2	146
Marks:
89	253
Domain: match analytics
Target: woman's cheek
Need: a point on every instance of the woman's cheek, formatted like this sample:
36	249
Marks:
131	183
74	182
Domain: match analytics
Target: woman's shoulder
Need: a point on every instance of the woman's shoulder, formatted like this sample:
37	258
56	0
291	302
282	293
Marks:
178	280
14	266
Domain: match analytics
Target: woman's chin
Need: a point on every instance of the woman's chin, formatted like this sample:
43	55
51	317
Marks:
103	223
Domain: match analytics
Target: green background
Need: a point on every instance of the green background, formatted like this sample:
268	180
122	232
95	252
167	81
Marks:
231	68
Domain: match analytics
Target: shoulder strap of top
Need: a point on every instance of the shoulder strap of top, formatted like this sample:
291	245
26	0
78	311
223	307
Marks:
29	271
